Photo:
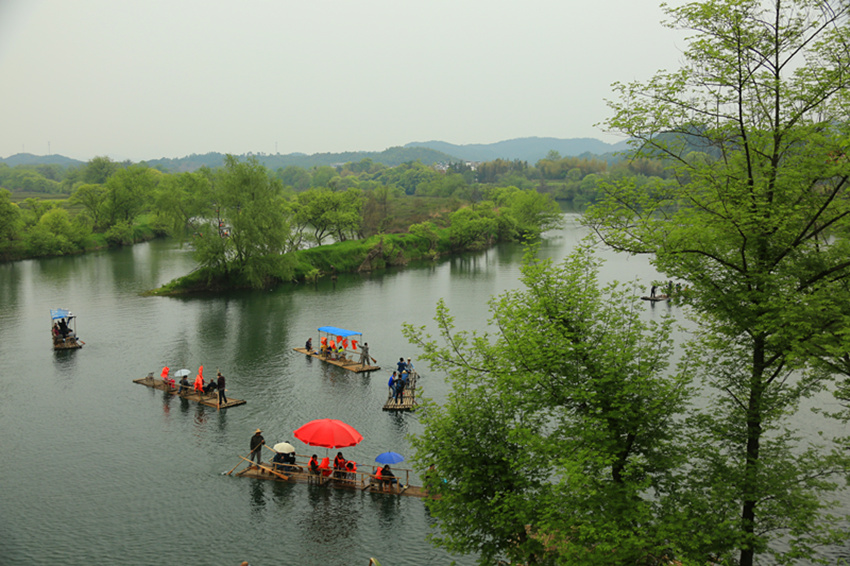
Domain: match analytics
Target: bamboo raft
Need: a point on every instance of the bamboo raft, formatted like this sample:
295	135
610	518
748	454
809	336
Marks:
344	363
210	400
408	401
362	481
67	343
64	336
657	298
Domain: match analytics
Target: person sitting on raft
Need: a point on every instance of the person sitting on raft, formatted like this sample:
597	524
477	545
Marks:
199	383
313	465
289	463
339	465
325	466
210	387
388	477
351	469
184	384
309	345
279	462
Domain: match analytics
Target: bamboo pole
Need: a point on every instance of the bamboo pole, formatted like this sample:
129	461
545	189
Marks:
266	468
234	467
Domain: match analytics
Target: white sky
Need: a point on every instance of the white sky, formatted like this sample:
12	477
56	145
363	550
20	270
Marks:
144	79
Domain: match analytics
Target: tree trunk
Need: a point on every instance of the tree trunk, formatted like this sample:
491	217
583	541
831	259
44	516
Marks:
751	465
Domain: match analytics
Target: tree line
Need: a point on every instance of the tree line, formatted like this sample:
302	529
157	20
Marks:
245	221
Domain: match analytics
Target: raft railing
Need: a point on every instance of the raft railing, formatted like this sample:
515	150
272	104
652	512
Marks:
362	480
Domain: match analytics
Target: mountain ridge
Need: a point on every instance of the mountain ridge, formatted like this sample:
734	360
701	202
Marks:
530	149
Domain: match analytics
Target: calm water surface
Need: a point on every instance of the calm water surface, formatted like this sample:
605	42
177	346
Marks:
98	470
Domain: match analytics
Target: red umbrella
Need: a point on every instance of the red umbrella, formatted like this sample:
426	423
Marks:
328	433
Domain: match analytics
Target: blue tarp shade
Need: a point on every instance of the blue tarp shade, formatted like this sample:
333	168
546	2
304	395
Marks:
339	331
60	313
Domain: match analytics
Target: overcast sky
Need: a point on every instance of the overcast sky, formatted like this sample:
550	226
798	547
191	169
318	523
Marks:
144	79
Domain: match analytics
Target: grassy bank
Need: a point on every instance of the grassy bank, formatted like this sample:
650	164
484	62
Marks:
353	256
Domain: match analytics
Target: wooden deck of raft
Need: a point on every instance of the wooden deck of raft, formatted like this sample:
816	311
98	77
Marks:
69	343
210	400
362	481
344	363
408	401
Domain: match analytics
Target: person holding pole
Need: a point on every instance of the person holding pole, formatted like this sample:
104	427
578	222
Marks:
257	442
364	353
222	398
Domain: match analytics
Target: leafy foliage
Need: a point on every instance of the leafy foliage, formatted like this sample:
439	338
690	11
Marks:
560	433
757	223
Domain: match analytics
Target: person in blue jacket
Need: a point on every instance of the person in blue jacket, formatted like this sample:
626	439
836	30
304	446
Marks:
391	383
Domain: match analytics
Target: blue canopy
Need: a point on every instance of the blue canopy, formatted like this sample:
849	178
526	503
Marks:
339	331
60	313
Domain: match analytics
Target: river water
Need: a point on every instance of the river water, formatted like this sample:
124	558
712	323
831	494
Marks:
98	470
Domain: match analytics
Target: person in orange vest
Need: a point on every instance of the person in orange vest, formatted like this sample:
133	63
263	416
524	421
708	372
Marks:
351	468
168	381
313	465
379	478
199	383
325	466
339	465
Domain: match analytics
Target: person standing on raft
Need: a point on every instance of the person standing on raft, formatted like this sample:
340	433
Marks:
364	353
257	442
222	398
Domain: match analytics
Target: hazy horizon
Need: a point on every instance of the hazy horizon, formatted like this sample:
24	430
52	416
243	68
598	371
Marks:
146	80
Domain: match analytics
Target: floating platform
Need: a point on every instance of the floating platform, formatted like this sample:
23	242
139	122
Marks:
657	298
361	482
68	343
344	363
408	401
210	400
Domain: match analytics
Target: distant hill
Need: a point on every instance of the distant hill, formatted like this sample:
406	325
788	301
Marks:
524	149
30	159
390	157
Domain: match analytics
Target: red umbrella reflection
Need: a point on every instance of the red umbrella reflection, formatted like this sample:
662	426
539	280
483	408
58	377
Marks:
328	433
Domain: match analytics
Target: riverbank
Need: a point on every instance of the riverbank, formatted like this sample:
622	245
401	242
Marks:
39	244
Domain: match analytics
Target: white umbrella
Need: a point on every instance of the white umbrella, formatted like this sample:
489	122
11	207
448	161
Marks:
284	447
182	372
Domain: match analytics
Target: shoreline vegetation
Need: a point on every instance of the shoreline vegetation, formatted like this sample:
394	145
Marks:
250	227
353	256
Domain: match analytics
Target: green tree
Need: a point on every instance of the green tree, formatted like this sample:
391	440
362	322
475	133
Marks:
757	224
32	209
92	198
296	177
180	198
473	229
560	431
329	213
99	169
247	230
427	231
10	217
532	212
129	192
322	176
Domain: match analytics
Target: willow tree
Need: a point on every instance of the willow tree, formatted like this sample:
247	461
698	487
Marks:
245	236
754	129
560	433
